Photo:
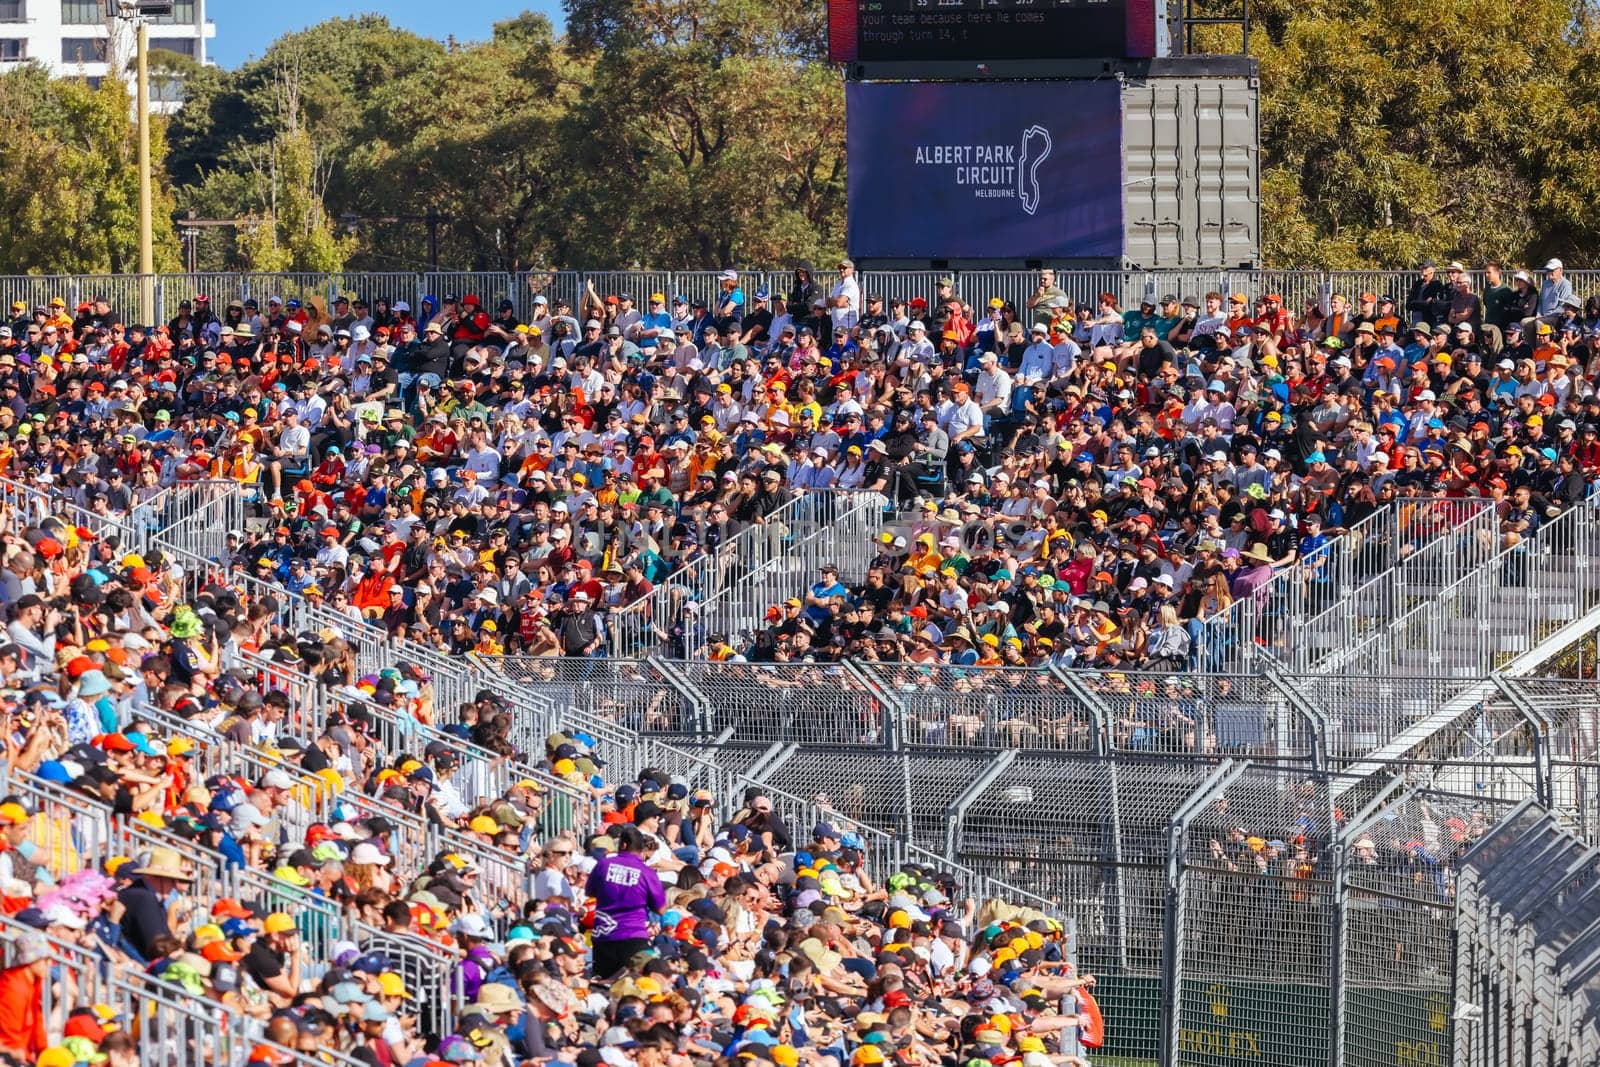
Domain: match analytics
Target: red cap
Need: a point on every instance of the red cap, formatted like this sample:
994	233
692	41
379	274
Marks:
114	743
228	907
219	952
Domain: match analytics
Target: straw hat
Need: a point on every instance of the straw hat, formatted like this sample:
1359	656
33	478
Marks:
165	863
1257	552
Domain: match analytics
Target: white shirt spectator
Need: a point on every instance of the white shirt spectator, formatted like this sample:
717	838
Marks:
993	388
484	462
845	316
1066	356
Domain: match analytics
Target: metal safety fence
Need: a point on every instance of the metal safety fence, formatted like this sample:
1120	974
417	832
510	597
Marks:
1502	607
1310	611
783	561
576	287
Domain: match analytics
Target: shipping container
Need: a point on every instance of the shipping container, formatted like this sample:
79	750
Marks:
1187	131
1191	158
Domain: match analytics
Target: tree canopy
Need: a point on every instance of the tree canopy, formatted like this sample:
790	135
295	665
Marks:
695	134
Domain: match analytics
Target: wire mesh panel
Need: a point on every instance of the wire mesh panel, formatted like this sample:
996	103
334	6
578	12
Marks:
802	703
892	285
853	783
392	287
638	284
1091	835
1297	287
1366	712
1573	708
630	694
952	707
489	286
1399	872
1203	714
556	286
1256	937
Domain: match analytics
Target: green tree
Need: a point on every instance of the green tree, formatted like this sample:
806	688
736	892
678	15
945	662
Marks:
1393	132
71	184
710	135
485	157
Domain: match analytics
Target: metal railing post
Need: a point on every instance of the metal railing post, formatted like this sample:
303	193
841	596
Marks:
1316	720
678	680
1173	926
890	707
1103	741
957	809
1542	728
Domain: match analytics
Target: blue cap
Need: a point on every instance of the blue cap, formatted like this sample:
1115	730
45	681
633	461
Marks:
238	928
1548	453
1435	424
679	298
371	963
1316	457
762	293
53	771
1216	386
1085	457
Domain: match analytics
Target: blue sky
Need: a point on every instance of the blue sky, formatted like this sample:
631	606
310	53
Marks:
246	27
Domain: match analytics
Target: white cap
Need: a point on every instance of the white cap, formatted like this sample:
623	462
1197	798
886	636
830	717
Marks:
61	915
1427	394
1505	364
916	324
1554	264
730	276
489	594
1164	579
367	852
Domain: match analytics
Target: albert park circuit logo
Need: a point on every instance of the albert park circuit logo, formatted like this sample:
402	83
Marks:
994	171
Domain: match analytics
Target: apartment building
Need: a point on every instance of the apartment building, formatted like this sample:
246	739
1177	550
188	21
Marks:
79	38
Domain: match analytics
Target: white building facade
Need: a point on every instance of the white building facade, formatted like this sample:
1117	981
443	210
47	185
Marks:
77	38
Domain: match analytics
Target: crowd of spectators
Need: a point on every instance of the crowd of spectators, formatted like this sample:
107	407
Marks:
1082	484
1087	485
640	927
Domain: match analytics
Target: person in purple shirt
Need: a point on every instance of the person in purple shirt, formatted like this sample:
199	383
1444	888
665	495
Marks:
625	892
1255	572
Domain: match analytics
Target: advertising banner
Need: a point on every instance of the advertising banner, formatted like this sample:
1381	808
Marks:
1009	170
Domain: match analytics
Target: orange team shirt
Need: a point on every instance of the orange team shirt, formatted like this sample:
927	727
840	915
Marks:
22	1023
372	591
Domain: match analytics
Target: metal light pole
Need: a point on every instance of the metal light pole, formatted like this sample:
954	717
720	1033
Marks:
147	257
139	12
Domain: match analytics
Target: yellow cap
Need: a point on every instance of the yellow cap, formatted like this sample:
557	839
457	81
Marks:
393	985
482	824
278	923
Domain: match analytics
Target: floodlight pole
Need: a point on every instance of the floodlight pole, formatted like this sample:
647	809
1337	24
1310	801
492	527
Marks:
147	268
